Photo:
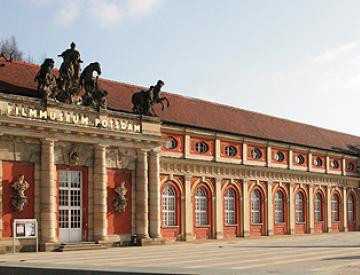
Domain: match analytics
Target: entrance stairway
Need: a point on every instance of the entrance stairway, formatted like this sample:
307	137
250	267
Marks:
80	246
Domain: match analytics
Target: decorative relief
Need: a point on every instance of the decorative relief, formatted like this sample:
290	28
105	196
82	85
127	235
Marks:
17	149
120	158
75	154
19	201
120	201
74	157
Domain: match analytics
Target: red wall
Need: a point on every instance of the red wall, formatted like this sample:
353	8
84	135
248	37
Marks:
11	170
118	223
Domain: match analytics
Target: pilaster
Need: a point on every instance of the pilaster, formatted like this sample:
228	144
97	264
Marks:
328	208
154	195
100	193
142	211
187	146
344	210
245	207
270	207
188	209
291	208
310	160
311	209
219	232
48	193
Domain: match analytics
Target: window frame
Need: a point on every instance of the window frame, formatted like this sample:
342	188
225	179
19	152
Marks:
299	211
352	208
259	210
201	147
318	219
201	207
230	217
169	216
335	208
279	202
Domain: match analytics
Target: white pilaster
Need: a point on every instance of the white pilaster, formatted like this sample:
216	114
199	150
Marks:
154	194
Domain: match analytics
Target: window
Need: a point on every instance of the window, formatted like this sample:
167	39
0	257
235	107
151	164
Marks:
318	162
299	159
168	206
299	206
279	209
171	144
230	151
201	147
279	156
255	206
350	208
335	208
256	153
230	208
335	164
201	207
350	166
318	207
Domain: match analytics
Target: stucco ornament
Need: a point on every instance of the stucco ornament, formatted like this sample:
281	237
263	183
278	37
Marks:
19	201
120	202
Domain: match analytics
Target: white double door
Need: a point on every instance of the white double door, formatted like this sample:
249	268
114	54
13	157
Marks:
70	206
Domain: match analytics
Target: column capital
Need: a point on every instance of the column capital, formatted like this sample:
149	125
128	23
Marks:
155	152
47	141
188	177
246	180
100	146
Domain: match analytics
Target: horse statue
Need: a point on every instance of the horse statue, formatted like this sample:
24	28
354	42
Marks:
68	81
46	80
143	101
94	96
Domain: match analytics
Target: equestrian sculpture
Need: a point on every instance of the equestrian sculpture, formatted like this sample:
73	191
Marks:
143	101
46	81
94	96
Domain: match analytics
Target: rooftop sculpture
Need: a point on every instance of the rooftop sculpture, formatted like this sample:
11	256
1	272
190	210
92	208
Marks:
71	87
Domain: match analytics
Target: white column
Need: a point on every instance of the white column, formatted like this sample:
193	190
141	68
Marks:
344	210
310	215
48	192
217	149
154	194
246	208
290	159
270	208
188	209
310	160
100	193
328	208
187	146
219	232
244	153
291	208
141	196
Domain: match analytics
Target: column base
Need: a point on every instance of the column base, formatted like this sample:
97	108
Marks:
311	231
329	230
270	232
292	231
189	237
346	229
219	236
150	241
246	234
49	246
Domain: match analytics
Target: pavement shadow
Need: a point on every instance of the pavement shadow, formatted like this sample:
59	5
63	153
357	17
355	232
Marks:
354	257
297	246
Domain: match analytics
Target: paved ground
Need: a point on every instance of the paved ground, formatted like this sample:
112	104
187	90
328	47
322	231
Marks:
309	254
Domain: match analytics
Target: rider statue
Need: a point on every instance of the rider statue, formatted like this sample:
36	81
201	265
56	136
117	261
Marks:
71	57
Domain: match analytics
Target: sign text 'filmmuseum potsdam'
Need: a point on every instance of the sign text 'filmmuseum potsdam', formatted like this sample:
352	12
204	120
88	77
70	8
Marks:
69	117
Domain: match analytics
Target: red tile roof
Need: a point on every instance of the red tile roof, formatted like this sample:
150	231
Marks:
18	78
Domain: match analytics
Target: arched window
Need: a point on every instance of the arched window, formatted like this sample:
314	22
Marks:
299	206
318	207
230	209
168	206
335	208
201	207
279	209
255	206
350	208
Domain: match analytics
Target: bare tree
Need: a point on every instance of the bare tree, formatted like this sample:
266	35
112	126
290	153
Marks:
9	50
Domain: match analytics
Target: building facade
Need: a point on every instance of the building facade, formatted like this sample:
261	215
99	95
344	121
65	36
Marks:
103	176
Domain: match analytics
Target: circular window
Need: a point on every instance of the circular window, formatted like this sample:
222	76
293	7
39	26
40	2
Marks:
350	166
318	162
279	156
299	159
171	144
201	147
230	151
335	164
256	153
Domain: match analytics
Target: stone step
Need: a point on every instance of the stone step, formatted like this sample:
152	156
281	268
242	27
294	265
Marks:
80	246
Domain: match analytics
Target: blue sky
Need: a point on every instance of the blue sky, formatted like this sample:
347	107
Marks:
293	59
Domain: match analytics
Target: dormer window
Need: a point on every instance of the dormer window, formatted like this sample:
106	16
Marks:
299	159
230	151
318	162
279	156
171	144
256	153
